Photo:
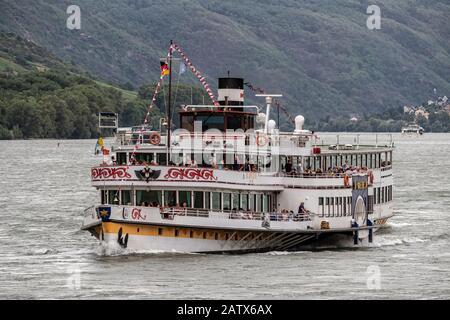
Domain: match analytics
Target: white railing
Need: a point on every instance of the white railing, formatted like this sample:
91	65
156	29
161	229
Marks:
170	213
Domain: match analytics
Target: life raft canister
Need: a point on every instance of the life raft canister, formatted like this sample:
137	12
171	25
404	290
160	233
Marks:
261	140
155	138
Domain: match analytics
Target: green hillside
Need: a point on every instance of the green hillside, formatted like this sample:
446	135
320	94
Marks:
319	54
41	97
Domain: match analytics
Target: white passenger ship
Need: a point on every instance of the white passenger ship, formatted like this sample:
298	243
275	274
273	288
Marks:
413	129
252	188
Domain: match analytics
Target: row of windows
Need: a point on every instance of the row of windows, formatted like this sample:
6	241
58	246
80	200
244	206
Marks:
335	206
382	194
192	199
342	206
369	160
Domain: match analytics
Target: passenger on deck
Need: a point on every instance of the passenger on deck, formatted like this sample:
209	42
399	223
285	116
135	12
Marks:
301	208
345	166
288	167
193	164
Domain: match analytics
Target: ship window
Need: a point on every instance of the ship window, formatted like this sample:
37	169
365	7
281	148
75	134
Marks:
126	197
208	200
104	195
191	234
121	158
375	195
148	198
227	201
211	122
244	198
266	203
177	232
349	203
345	207
160	231
236	201
198	199
170	198
235	122
143	157
378	195
216	201
161	158
370	204
113	196
184	196
187	122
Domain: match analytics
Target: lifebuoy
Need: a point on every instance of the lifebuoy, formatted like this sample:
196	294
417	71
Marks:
155	138
346	180
261	140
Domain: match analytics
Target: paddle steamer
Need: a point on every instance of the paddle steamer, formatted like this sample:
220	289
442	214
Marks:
228	180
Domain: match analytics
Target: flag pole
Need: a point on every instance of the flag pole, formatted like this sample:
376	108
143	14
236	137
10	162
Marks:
169	113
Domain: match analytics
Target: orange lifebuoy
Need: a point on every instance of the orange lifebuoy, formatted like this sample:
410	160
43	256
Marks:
155	138
261	140
346	180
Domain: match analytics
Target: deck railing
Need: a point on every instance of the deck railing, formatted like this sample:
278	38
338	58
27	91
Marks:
170	213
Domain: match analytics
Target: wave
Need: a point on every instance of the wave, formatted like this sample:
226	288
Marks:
383	242
284	253
115	250
42	251
398	224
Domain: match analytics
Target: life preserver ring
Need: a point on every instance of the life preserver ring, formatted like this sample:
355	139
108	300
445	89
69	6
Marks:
155	138
346	180
371	178
261	140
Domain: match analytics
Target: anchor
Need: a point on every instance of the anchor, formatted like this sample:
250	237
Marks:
123	241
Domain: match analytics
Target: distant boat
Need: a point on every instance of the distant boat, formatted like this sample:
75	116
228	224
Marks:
413	128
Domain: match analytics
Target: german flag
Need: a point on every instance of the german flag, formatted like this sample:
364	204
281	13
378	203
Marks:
164	69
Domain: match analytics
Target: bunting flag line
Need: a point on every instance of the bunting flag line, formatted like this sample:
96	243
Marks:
201	78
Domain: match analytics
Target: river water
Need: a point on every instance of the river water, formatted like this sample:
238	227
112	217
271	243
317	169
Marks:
44	255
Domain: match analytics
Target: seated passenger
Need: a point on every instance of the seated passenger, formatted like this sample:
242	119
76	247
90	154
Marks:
193	164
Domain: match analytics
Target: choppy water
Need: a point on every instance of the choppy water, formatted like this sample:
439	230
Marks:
44	190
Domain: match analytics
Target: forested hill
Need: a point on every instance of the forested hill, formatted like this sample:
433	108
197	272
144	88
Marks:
41	97
319	54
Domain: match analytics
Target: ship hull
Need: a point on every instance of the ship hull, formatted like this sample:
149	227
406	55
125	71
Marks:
157	238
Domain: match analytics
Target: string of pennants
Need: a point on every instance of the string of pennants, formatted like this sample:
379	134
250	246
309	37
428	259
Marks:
194	70
275	101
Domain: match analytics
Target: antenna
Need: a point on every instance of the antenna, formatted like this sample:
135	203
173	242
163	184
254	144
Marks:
269	103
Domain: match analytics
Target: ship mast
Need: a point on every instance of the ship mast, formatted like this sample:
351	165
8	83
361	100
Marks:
168	111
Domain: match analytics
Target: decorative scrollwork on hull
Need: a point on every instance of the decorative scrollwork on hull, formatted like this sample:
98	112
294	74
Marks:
106	173
190	174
